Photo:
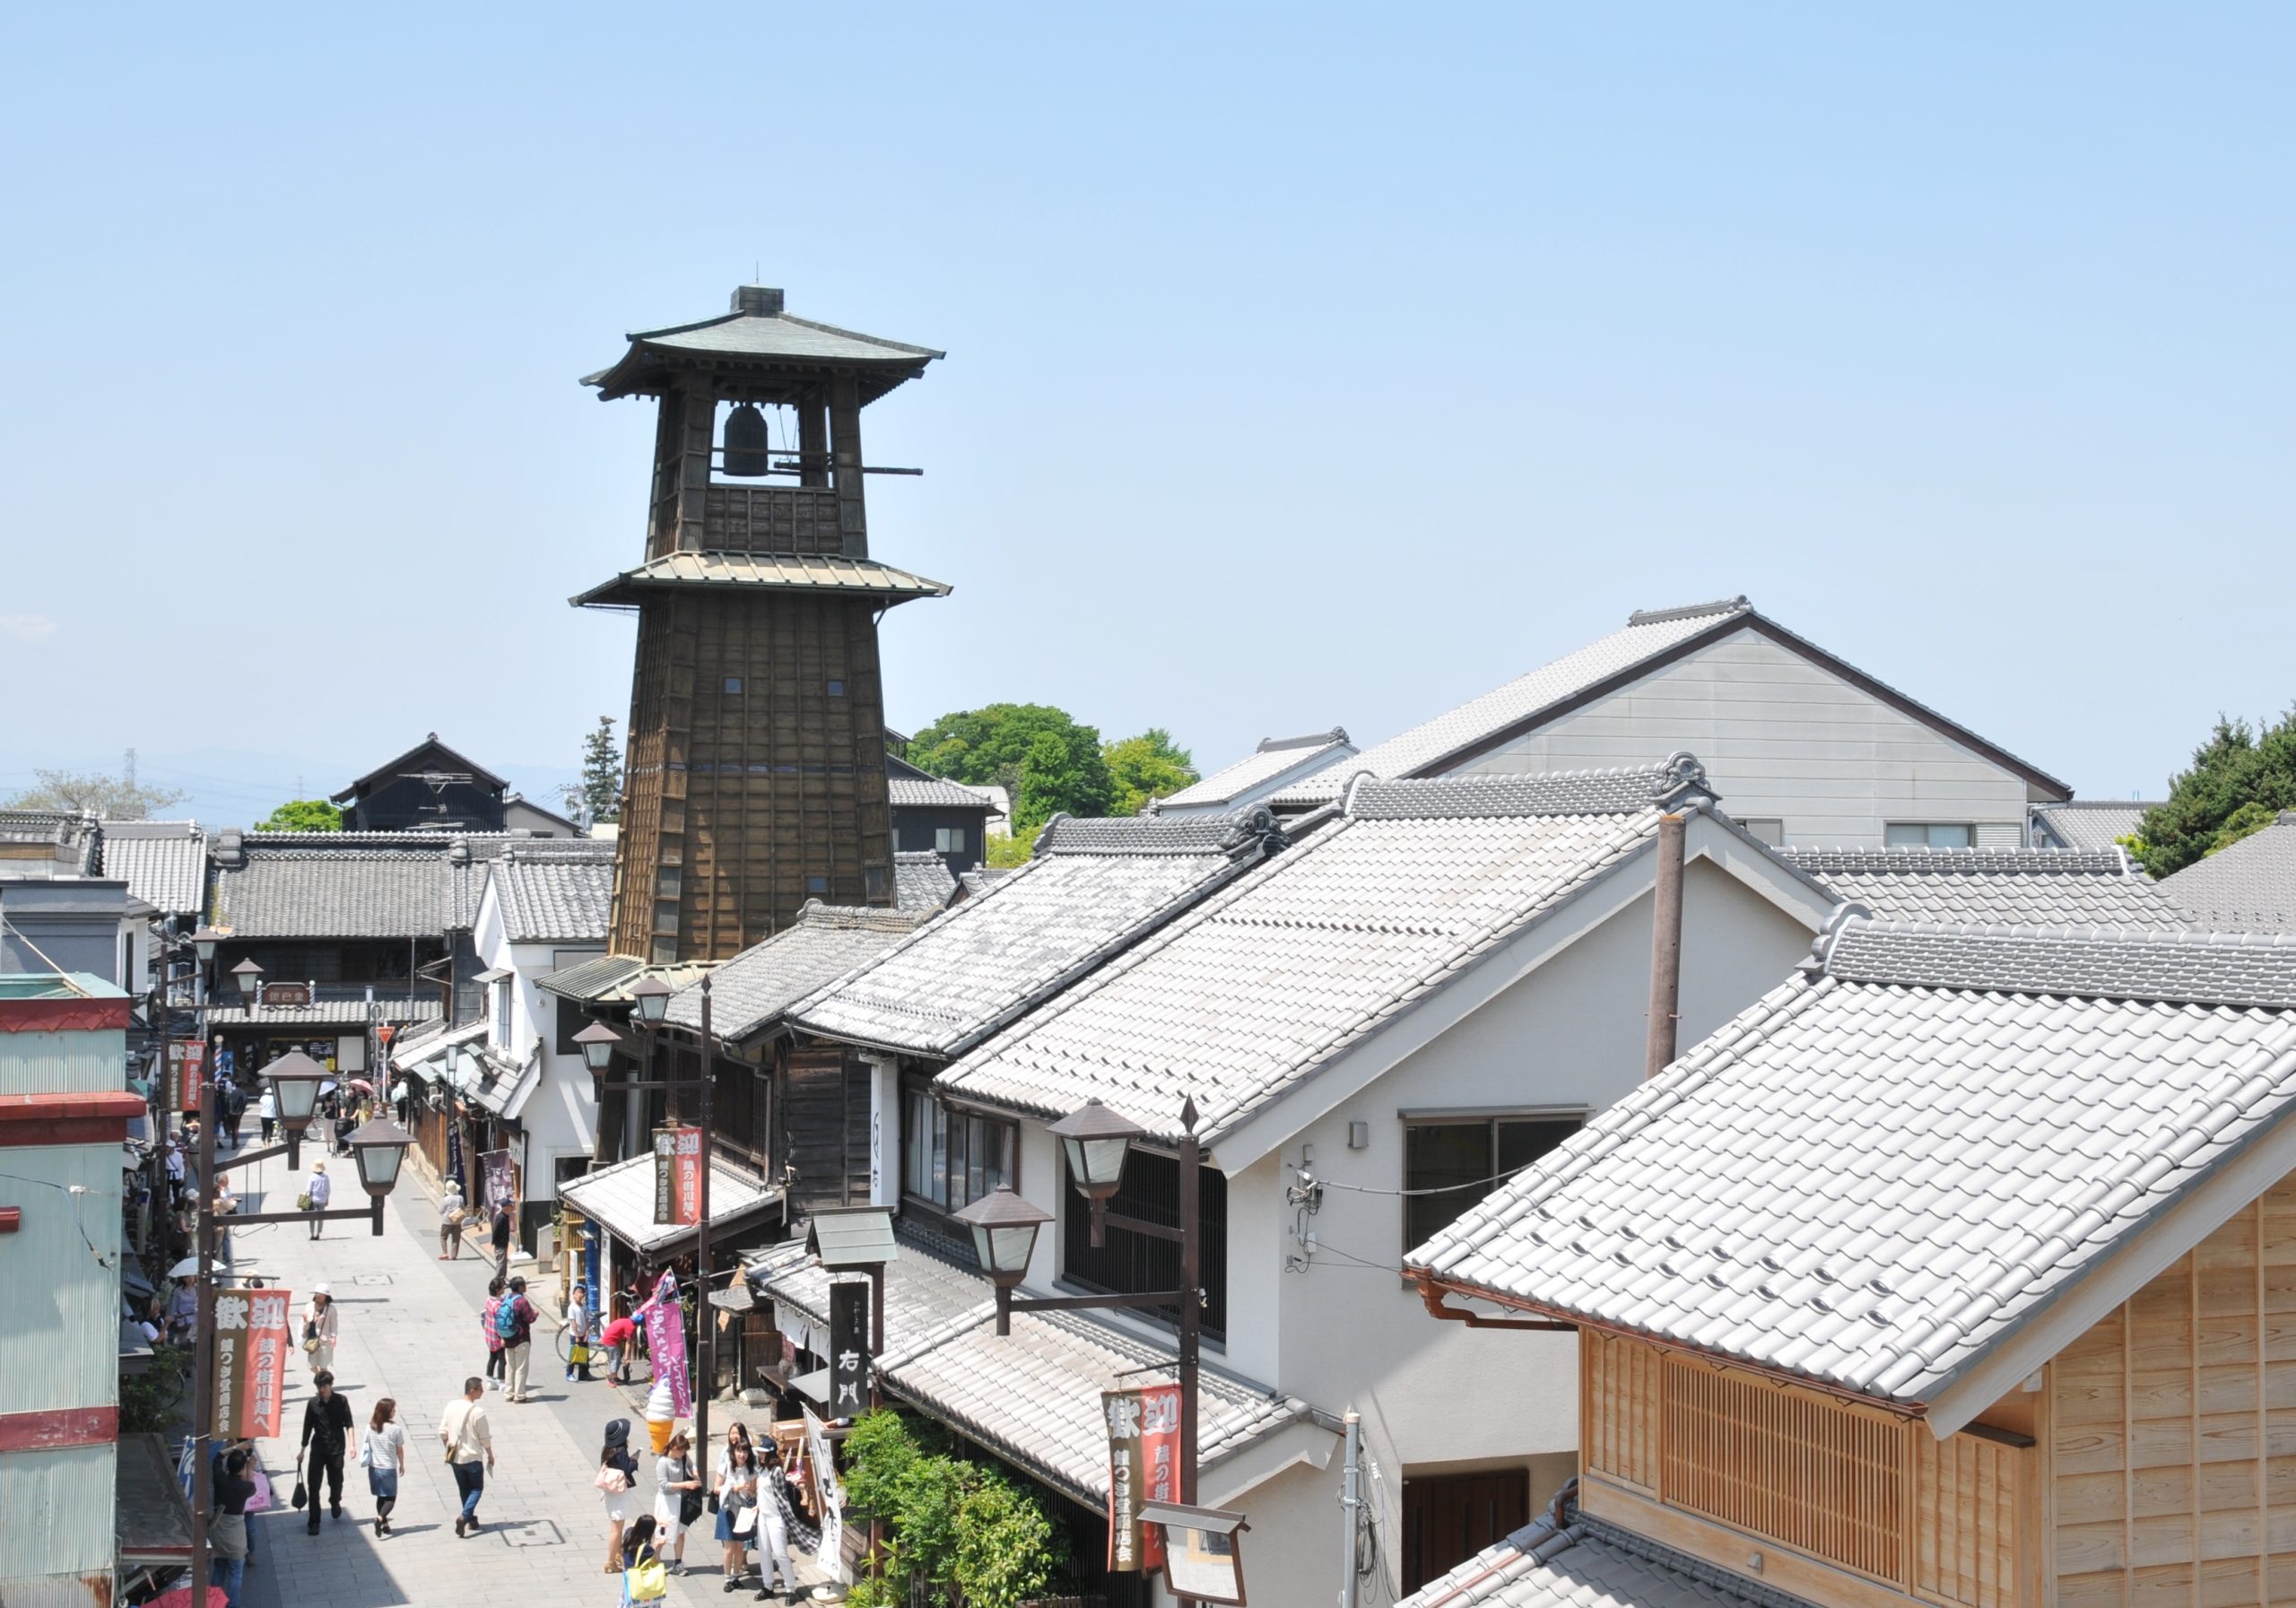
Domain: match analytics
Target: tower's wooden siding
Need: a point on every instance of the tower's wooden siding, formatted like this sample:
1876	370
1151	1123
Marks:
751	786
2175	1467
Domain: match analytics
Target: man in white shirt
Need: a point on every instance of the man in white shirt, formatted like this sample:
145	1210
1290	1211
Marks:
470	1449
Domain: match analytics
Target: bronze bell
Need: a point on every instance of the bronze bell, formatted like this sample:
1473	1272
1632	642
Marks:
747	454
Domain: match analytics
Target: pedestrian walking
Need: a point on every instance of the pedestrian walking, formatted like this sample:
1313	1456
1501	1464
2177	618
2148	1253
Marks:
644	1578
383	1454
616	1477
328	1427
183	1309
235	1108
469	1441
578	1331
514	1321
737	1471
266	1112
496	1360
319	1329
677	1497
779	1523
227	1527
316	1188
498	1235
452	1213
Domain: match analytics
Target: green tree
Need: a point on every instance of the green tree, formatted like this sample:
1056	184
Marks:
1040	756
92	793
1008	851
962	1531
599	795
1145	767
303	815
2241	778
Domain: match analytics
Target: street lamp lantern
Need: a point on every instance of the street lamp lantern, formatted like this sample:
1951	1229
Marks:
1004	1236
295	1079
599	1042
379	1145
205	942
1096	1140
651	995
249	977
1204	1559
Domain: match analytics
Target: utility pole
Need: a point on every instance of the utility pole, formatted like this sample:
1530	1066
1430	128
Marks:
1351	1507
704	1318
203	1345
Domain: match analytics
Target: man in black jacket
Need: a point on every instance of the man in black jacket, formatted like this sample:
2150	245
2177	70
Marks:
327	1435
499	1236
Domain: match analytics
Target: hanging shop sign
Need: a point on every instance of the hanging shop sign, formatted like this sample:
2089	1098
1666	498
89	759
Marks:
666	1344
187	1073
1143	1467
501	1174
831	1490
849	1350
251	1335
286	993
677	1175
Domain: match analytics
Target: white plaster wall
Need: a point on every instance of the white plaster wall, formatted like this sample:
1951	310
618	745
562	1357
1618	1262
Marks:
561	1117
1783	738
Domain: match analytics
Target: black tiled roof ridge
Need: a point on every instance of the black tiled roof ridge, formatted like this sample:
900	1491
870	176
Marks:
1201	835
1624	791
2101	962
1338	734
1962	862
2101	804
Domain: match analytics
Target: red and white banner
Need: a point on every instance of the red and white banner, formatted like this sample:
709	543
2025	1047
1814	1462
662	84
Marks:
251	1342
187	1073
1143	1467
689	1174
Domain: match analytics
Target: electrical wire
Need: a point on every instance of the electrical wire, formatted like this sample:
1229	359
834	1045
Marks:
77	1195
1497	1178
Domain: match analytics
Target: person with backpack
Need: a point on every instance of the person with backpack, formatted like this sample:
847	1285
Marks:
514	1324
496	1360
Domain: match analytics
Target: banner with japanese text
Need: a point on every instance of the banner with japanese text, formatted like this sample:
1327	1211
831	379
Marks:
1143	1467
187	1073
831	1490
501	1177
848	1349
689	1175
665	1345
251	1344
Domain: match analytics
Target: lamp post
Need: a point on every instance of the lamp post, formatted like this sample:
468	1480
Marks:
650	999
1005	1228
380	1147
249	977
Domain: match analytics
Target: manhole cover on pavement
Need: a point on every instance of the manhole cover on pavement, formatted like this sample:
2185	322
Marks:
372	1278
532	1533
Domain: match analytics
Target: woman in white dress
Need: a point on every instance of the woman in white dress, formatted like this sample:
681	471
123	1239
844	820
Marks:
616	1482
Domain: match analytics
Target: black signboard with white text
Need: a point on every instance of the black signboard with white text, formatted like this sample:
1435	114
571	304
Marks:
849	1350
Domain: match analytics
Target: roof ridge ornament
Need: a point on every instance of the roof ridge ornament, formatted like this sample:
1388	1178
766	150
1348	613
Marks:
1692	611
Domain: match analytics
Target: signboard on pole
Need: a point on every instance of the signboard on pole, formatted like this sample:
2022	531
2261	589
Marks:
501	1177
831	1492
665	1175
688	1172
251	1335
286	993
849	1350
187	1073
1143	1467
677	1175
666	1344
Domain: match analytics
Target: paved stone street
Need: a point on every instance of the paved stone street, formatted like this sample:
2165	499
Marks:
410	1330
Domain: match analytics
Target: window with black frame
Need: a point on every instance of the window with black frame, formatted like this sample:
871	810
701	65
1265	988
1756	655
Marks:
1452	1163
1129	1263
951	1157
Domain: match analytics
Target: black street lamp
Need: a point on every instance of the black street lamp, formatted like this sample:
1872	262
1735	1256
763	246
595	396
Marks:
249	977
599	1045
1005	1232
651	998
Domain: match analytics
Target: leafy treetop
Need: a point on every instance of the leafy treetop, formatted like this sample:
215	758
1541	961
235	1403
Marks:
1145	767
599	795
2240	780
1044	760
303	815
92	793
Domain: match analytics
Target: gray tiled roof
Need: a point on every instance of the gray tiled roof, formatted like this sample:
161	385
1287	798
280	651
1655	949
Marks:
621	1197
1884	1168
2093	887
164	863
980	879
749	993
2093	822
1093	886
1033	1397
324	893
2248	887
922	881
766	572
909	792
562	893
329	1012
1428	744
591	980
757	333
1274	759
923	1293
72	841
1246	996
1586	1563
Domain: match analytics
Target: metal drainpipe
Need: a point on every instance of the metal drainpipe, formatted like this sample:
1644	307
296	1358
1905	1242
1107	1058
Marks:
1665	947
1351	1505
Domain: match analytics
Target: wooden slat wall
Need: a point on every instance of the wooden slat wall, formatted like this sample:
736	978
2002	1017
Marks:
796	519
1853	1487
828	1127
2174	1466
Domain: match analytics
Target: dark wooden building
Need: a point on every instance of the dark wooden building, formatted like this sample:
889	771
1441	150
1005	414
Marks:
430	788
755	775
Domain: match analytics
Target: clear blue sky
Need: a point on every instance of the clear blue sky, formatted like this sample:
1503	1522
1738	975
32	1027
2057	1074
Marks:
1306	365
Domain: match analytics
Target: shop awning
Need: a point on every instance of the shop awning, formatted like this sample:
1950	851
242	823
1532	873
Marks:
423	1053
923	1291
153	1522
620	1199
325	1012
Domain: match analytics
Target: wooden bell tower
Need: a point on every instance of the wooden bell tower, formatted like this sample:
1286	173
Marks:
755	774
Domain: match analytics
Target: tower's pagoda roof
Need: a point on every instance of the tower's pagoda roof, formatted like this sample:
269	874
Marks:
762	351
816	573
